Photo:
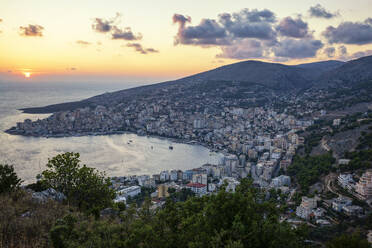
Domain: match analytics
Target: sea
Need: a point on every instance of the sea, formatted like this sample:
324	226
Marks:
116	155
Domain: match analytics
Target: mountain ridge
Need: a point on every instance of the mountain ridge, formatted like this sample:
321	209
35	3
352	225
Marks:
274	76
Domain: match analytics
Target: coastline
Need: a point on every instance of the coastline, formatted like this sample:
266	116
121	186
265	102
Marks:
171	139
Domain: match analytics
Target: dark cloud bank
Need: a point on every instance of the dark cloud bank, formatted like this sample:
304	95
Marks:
252	33
359	33
249	34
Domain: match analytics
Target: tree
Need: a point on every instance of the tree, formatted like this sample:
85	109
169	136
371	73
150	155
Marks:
354	240
84	187
9	180
235	220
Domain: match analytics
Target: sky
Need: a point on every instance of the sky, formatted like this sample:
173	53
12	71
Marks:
152	41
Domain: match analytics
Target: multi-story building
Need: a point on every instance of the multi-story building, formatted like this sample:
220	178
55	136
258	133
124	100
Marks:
198	188
280	181
364	186
164	176
340	202
173	175
200	178
306	207
142	179
187	175
128	192
346	181
163	191
352	210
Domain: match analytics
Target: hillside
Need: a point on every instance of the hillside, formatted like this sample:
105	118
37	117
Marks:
277	76
267	76
354	71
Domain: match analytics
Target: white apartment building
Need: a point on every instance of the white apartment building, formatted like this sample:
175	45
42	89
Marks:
198	188
364	186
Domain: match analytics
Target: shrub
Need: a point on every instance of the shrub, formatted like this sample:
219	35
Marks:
84	187
9	180
25	222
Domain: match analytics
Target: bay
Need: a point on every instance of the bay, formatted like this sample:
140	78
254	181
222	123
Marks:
117	155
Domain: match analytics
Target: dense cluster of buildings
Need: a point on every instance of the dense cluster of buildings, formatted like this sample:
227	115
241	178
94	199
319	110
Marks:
257	141
362	189
207	179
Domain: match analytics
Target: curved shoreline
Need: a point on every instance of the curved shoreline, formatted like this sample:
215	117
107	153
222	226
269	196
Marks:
171	139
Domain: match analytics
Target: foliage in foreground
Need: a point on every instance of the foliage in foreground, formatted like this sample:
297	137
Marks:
9	180
26	223
239	219
354	240
84	187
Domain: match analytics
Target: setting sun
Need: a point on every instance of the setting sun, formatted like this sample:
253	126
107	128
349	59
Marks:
27	74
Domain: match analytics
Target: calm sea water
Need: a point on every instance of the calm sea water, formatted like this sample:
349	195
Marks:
110	153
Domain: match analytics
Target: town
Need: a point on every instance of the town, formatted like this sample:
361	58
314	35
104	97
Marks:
258	143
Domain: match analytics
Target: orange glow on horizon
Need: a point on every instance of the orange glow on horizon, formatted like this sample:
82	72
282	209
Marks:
27	74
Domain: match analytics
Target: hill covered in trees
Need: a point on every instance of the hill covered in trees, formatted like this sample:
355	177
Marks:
241	219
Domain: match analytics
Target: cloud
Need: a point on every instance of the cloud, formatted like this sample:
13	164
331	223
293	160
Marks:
31	30
320	12
110	26
102	26
83	43
297	49
295	28
242	50
181	19
342	50
224	30
358	33
71	69
124	34
361	54
249	24
342	54
208	32
330	52
252	33
138	47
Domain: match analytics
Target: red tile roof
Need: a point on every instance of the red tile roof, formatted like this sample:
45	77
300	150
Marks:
196	185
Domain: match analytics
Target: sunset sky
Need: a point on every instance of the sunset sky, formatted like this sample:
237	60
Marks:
150	41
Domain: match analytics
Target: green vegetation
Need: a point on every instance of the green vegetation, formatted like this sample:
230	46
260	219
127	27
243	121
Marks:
347	97
139	199
9	180
83	186
359	160
308	169
354	240
240	219
362	158
182	195
365	141
25	222
315	134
